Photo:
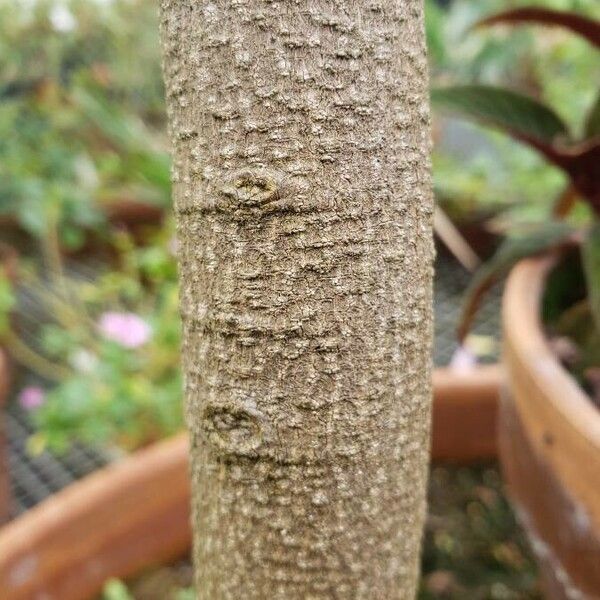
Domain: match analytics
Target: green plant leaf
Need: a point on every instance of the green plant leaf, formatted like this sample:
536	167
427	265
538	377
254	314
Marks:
590	257
116	590
7	302
583	26
529	122
512	250
592	123
516	114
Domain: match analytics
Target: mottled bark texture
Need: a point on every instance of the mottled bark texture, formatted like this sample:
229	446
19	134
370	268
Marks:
302	195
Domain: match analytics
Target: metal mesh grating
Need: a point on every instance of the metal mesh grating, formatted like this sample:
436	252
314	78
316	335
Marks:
35	478
451	281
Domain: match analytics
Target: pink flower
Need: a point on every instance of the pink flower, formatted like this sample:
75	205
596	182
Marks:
127	329
32	397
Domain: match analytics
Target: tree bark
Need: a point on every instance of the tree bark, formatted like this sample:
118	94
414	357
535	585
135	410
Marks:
302	196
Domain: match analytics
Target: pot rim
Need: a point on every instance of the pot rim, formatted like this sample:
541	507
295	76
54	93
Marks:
523	331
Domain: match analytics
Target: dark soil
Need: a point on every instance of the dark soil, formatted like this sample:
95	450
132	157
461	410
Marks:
473	547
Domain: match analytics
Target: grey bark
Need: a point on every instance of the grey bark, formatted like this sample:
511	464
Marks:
302	195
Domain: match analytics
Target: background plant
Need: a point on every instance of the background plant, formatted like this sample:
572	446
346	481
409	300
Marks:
574	150
106	349
479	171
81	112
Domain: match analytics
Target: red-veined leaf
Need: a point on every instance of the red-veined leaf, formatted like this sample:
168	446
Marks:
590	258
516	114
529	122
583	26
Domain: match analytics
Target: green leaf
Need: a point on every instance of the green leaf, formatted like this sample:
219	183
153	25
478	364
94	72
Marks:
590	256
592	123
530	122
435	18
583	26
116	590
516	114
512	250
7	302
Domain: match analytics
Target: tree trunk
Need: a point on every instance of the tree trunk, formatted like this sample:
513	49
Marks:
302	195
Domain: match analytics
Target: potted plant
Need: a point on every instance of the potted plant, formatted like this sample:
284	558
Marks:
549	428
105	349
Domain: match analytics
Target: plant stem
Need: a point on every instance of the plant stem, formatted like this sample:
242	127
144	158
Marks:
25	355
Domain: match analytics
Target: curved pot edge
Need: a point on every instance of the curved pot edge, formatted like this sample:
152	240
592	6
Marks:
114	522
560	420
133	514
525	340
549	442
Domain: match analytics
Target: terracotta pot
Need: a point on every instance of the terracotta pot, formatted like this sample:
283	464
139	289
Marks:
549	445
465	414
125	517
135	514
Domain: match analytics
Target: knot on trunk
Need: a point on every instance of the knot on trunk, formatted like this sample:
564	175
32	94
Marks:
252	192
235	430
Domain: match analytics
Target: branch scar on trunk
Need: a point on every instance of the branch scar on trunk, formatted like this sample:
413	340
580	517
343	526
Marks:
235	430
253	192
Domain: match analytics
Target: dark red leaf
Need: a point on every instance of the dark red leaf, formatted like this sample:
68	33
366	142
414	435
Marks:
584	26
582	164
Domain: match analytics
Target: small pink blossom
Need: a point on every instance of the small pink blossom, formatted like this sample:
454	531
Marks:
463	359
32	397
127	329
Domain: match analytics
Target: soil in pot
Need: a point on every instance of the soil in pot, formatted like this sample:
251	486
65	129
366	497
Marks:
473	547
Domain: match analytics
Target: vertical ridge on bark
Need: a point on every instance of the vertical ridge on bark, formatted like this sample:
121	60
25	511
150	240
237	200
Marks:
302	195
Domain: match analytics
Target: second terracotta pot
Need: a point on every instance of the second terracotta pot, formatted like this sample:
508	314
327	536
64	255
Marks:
549	446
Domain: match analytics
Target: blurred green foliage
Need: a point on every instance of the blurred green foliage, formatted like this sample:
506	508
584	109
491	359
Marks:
104	390
81	112
571	144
